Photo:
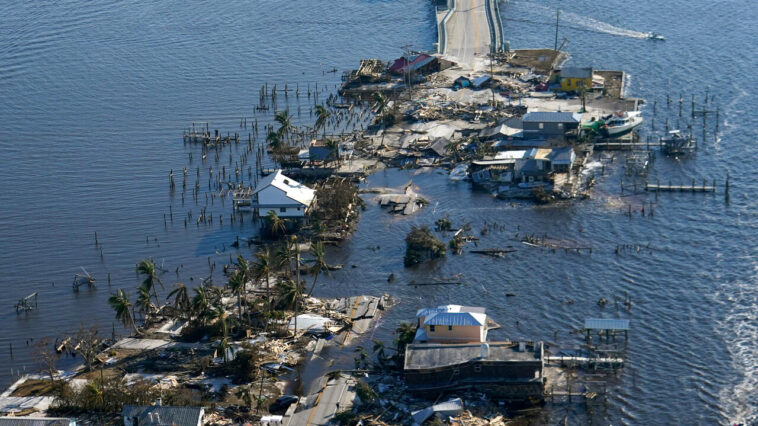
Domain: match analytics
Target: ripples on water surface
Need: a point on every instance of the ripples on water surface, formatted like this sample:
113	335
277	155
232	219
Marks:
93	97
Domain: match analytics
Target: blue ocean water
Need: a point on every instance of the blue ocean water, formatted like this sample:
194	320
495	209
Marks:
94	96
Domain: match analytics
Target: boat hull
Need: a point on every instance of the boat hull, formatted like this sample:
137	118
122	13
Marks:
620	130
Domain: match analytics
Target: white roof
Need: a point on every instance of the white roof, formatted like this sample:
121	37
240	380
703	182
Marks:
512	155
292	188
449	308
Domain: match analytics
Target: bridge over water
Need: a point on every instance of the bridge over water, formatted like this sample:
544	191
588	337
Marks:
469	29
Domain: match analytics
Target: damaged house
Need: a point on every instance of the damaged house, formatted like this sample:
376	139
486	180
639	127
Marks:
525	166
450	351
550	125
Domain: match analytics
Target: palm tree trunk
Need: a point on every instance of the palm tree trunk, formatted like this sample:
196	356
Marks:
313	286
268	291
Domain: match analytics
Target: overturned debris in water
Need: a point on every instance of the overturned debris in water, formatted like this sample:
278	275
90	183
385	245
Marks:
406	203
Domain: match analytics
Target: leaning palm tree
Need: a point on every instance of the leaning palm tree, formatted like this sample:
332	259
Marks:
277	225
147	268
181	299
322	115
124	309
285	123
319	264
262	269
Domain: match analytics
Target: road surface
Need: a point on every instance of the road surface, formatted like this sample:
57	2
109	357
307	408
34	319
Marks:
468	33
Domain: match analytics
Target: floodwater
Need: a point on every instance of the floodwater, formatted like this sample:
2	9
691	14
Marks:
94	96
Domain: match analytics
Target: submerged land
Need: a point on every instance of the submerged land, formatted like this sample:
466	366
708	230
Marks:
517	124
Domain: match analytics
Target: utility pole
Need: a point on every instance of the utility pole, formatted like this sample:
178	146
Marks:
557	20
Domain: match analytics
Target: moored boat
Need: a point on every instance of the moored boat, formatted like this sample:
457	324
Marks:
622	122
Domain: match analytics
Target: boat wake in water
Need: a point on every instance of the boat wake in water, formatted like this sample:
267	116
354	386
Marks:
580	22
740	329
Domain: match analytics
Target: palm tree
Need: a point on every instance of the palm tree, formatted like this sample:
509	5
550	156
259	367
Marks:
322	115
334	150
381	103
181	299
143	302
277	225
124	309
273	140
147	268
379	351
244	393
94	393
288	293
244	267
201	307
237	286
223	345
319	264
285	123
404	335
283	257
262	268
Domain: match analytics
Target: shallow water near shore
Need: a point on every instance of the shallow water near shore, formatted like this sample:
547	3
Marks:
93	98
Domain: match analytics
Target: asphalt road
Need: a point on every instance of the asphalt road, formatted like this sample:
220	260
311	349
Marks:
468	33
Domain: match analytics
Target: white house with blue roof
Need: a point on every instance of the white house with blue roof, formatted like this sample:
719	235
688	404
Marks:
451	324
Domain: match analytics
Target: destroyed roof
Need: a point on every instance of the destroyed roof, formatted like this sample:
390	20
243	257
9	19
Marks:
370	68
522	143
417	61
552	117
449	308
36	421
292	188
163	415
444	409
419	356
478	81
439	146
606	324
563	155
456	318
502	129
576	72
542	153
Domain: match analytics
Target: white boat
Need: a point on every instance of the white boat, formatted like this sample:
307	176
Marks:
656	36
622	122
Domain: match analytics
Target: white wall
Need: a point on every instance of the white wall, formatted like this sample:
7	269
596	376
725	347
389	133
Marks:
277	199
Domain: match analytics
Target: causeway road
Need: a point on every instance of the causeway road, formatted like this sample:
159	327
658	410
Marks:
468	32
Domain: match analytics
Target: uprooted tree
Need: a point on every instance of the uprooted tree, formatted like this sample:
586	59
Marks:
421	245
